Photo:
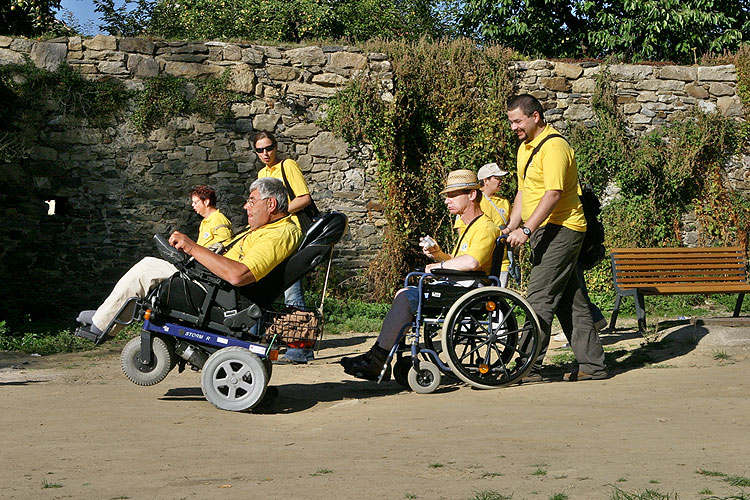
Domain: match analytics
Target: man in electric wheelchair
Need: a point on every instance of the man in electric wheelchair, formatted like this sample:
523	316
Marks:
253	254
473	252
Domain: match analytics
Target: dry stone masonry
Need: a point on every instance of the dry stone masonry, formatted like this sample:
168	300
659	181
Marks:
114	187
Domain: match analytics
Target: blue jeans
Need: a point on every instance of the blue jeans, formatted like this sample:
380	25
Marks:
294	297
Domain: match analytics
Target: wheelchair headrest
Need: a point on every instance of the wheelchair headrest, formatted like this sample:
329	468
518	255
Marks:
328	230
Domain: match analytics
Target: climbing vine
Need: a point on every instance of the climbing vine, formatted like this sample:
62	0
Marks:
447	112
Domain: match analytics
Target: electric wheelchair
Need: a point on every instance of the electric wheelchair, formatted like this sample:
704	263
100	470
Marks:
195	318
468	327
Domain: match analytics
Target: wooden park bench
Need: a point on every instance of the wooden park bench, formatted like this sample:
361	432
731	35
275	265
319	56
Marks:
669	271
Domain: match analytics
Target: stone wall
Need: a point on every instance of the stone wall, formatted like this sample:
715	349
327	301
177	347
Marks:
115	188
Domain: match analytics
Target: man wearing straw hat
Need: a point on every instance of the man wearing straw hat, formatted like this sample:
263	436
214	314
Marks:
472	253
548	213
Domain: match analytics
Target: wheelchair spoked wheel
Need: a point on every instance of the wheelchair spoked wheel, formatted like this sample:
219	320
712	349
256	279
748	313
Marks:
491	337
234	379
163	359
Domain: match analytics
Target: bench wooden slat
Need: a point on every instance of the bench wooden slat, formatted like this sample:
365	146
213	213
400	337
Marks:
681	279
677	271
679	250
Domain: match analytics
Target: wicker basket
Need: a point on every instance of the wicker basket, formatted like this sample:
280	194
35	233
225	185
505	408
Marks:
295	328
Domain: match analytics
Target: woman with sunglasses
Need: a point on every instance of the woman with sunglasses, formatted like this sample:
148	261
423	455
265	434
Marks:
289	172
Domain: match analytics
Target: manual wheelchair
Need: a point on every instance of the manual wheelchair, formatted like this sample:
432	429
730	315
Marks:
195	318
467	327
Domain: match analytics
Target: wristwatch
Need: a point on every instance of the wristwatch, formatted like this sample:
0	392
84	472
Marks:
526	230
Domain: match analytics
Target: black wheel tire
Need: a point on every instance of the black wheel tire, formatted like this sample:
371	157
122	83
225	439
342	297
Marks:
163	359
234	379
401	370
483	342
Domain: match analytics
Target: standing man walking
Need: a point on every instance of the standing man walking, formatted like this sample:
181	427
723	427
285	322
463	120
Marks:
548	213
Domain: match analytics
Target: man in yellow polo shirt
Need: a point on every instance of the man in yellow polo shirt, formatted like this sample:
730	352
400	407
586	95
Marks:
473	252
272	237
548	213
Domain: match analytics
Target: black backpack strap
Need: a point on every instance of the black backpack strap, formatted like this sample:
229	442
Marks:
286	183
536	150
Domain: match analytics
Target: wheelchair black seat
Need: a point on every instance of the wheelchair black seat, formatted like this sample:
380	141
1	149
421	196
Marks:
199	297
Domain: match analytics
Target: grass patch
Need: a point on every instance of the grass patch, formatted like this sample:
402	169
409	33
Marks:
710	473
559	496
321	472
561	358
539	472
740	481
490	495
436	465
492	474
647	494
353	316
46	484
721	355
46	337
410	496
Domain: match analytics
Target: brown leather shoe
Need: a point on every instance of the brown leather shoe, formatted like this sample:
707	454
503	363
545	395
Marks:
582	375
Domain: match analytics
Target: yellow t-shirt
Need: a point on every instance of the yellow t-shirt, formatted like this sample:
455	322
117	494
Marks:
498	218
553	168
293	175
479	242
266	247
215	228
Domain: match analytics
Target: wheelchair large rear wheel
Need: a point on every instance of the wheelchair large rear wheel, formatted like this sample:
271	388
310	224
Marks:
234	379
491	337
163	359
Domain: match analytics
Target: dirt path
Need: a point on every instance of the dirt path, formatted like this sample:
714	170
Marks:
74	427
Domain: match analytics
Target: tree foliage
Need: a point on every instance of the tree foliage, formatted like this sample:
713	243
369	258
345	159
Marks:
27	17
277	20
676	30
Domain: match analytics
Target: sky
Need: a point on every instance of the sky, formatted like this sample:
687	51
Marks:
83	10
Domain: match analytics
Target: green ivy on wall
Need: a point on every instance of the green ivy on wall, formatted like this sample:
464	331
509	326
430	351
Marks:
447	112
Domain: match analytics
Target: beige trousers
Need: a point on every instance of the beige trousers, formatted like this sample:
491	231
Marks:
137	282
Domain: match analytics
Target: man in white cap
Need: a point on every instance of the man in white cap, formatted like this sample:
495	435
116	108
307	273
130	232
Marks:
472	253
494	206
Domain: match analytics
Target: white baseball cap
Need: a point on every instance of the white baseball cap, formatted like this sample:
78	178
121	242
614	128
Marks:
490	170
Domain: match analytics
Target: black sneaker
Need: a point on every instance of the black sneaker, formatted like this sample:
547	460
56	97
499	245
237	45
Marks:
365	366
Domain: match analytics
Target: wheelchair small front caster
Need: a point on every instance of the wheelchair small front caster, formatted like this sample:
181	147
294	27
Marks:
426	379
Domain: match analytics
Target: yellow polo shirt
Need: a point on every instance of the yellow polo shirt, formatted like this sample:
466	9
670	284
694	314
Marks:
479	242
498	218
293	175
553	168
266	247
215	228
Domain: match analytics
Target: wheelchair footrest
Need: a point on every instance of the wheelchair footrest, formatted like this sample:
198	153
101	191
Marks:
85	333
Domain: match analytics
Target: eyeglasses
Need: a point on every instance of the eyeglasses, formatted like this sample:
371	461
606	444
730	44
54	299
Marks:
251	202
267	149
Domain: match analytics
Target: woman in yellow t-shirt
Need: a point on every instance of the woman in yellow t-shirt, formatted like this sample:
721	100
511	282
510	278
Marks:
288	172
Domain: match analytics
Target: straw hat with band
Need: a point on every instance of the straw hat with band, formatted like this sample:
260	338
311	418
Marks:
460	180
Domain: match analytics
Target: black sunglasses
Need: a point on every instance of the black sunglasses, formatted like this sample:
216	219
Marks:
267	149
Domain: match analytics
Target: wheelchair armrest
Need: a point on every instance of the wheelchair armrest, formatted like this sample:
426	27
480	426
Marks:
454	273
199	272
245	318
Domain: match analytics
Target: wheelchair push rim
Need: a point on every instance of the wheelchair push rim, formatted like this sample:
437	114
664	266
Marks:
234	379
491	337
